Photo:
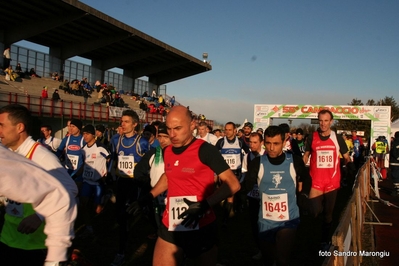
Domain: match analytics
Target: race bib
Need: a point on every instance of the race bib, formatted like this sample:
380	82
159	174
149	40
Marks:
275	207
233	160
126	164
73	161
14	208
325	159
89	171
176	207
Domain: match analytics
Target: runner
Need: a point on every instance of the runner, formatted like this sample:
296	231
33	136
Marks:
22	239
127	151
71	146
23	180
232	149
47	140
279	175
150	169
93	175
324	146
205	135
189	224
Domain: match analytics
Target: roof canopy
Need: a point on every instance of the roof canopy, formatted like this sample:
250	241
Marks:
71	28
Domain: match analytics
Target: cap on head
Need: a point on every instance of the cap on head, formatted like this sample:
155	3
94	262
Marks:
100	128
162	129
299	131
77	123
249	124
89	129
151	129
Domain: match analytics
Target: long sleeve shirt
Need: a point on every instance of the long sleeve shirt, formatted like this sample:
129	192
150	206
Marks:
24	181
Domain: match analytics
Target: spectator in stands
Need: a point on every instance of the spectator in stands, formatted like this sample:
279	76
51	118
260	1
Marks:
161	100
98	86
153	95
7	58
86	85
146	97
32	73
44	93
161	110
85	95
172	101
75	87
11	73
108	97
143	106
56	96
118	101
152	108
100	94
55	76
18	70
65	87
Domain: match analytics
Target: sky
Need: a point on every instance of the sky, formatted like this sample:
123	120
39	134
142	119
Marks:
273	52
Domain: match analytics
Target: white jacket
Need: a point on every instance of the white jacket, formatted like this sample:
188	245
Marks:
24	181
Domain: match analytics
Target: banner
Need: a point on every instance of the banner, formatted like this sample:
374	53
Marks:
116	111
380	116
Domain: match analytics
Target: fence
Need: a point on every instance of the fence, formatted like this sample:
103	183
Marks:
68	109
347	239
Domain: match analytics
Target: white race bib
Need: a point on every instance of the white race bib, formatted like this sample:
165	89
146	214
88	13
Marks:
126	164
275	207
176	207
73	161
233	160
325	159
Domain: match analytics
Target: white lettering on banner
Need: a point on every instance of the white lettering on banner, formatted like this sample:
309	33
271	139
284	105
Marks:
380	110
380	124
311	111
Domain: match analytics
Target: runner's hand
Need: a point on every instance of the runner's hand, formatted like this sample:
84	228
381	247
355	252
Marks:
194	213
137	206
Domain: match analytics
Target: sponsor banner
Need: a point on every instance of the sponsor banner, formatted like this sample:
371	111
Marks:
116	111
374	113
380	116
141	114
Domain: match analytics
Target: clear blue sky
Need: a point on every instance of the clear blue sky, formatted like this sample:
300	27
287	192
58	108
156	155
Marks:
283	52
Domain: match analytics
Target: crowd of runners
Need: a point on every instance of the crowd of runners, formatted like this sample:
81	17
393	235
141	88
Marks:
176	172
